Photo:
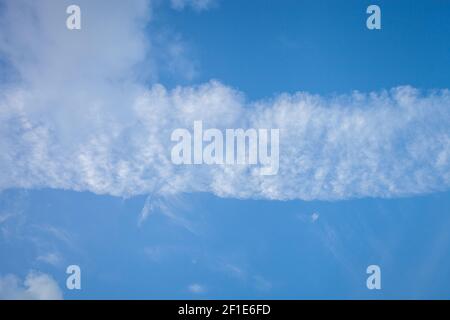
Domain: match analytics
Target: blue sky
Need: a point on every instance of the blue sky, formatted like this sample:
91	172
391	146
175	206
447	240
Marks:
86	124
318	46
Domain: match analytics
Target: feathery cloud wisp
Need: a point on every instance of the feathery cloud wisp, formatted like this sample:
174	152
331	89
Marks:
197	5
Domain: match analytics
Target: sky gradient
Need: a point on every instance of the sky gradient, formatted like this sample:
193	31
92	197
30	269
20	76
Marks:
86	179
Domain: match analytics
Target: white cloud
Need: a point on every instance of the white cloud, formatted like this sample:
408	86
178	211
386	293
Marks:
80	120
37	286
196	288
170	207
52	258
314	217
5	216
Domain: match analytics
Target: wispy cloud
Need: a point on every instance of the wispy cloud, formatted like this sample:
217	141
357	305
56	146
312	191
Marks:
168	206
5	216
197	5
314	217
52	258
196	288
95	127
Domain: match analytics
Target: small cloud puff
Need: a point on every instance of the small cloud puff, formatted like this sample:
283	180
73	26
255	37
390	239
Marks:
314	217
37	286
196	288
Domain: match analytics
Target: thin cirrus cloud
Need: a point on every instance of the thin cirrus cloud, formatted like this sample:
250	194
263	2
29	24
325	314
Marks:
196	288
197	5
76	116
